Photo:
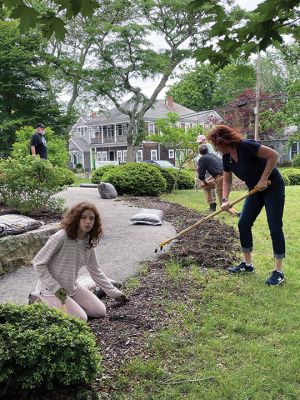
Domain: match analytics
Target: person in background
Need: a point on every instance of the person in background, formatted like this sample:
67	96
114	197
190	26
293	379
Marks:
38	144
254	164
210	163
210	192
58	263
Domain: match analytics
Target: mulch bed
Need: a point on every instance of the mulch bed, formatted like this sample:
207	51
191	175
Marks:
120	336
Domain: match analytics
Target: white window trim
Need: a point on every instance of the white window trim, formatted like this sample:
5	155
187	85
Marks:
151	127
171	154
119	156
124	155
153	156
139	155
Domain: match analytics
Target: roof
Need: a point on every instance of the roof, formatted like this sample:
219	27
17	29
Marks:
158	110
80	143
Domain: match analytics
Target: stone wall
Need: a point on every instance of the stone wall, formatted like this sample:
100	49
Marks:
18	250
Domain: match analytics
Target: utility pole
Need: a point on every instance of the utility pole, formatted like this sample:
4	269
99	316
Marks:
257	97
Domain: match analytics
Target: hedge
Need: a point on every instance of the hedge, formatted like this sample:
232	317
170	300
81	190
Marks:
42	347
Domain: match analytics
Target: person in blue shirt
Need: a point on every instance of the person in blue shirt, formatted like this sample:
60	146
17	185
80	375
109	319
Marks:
254	164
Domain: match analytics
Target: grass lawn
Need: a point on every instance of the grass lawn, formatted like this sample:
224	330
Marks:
235	337
80	178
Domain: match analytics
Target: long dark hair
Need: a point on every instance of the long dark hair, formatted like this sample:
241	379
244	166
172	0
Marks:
71	220
225	136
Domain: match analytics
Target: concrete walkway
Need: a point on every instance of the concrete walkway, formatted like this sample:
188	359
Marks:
121	250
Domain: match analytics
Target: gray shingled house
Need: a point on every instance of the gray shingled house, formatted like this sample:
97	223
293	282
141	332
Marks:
101	139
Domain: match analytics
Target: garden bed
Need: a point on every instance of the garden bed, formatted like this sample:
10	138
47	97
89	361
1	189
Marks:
120	335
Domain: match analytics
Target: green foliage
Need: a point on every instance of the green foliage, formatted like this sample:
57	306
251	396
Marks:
293	175
204	88
26	98
98	173
138	179
28	185
177	138
242	33
285	178
169	177
296	160
66	176
56	147
40	346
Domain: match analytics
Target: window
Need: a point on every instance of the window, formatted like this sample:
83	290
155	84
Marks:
124	155
119	156
139	155
119	130
110	131
153	155
171	153
101	156
151	127
294	149
78	129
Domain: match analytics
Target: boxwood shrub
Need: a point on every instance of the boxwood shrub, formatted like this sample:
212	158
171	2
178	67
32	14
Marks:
138	179
296	160
186	178
293	175
285	178
41	347
65	176
99	172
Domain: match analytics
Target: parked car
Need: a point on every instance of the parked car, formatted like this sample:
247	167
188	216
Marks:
161	163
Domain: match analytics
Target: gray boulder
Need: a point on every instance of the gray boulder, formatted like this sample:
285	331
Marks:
107	190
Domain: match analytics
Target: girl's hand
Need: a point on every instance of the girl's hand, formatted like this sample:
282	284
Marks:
262	184
122	298
61	294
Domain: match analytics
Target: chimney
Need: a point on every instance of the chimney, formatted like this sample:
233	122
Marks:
93	114
170	102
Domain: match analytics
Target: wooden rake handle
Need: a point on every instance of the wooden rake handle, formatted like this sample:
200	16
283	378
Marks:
201	221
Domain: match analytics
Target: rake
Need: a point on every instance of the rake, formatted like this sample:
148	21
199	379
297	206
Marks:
201	221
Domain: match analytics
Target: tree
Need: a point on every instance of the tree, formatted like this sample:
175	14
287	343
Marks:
196	88
182	141
239	33
125	54
205	88
240	113
24	99
50	20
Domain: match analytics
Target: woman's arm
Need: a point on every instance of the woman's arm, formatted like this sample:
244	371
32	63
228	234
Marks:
271	156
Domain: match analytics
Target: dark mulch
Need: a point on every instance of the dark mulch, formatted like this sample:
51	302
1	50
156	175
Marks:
120	335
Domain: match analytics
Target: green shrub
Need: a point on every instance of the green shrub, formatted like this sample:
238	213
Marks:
293	174
65	176
285	178
99	172
138	179
296	160
167	173
186	178
41	347
28	185
56	146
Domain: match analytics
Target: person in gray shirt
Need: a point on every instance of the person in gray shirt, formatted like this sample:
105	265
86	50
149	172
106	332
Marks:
211	164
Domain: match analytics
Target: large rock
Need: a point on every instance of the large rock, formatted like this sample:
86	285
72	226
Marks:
17	251
107	190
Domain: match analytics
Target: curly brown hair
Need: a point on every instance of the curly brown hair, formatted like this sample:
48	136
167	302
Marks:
225	136
71	220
